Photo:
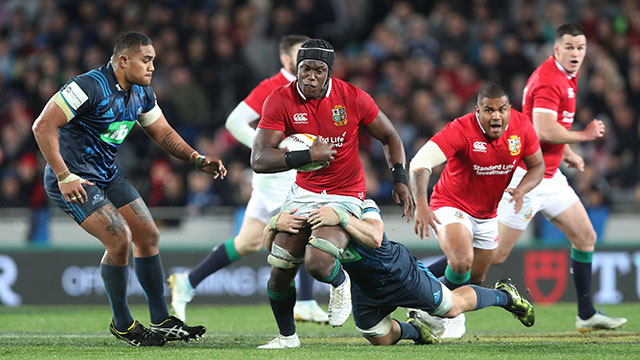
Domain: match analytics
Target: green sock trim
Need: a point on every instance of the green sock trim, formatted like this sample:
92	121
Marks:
274	295
232	253
581	256
334	273
456	278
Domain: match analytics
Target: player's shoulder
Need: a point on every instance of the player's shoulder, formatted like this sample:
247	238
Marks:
343	86
518	116
548	74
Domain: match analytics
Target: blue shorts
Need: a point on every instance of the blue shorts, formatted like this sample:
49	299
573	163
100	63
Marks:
119	192
420	291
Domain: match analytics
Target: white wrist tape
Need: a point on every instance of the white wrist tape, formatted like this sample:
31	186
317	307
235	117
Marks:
70	178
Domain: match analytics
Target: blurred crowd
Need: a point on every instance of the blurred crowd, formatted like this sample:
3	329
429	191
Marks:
423	61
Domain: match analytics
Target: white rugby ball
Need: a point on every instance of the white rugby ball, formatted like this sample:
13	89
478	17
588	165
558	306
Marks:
298	142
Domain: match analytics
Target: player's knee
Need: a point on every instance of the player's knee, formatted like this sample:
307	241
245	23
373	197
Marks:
318	263
379	334
246	246
461	264
118	250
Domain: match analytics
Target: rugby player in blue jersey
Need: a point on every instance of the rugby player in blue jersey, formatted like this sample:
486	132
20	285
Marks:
79	132
385	276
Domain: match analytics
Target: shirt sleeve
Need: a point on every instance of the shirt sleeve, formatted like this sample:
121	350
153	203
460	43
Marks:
272	113
547	97
77	96
367	108
257	96
449	139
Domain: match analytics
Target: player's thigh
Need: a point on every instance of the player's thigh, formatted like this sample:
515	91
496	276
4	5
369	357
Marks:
249	238
576	225
456	242
110	227
294	245
507	239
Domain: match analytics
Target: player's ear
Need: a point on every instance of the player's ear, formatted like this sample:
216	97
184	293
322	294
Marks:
123	60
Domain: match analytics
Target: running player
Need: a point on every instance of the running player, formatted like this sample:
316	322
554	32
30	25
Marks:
550	102
333	110
482	150
385	276
268	195
79	132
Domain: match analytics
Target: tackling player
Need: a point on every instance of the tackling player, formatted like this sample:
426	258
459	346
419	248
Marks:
268	195
550	102
482	150
386	276
79	132
333	110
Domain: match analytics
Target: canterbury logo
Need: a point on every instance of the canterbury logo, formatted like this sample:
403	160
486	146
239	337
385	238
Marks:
480	146
300	118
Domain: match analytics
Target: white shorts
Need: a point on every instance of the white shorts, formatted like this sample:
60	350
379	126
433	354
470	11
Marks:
305	201
483	231
551	197
268	194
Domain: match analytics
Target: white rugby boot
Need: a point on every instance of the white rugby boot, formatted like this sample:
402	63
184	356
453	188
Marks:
340	302
181	293
599	321
309	310
282	342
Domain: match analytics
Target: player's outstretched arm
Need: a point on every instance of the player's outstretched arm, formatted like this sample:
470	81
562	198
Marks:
45	131
170	141
382	129
238	123
368	232
426	158
533	177
572	159
550	131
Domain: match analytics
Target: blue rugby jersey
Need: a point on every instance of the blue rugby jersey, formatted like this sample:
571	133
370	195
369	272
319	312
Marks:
382	271
100	115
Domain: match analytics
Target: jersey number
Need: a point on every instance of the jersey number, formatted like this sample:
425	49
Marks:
117	132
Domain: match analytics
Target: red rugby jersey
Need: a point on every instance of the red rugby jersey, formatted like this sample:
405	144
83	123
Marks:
337	117
479	169
256	97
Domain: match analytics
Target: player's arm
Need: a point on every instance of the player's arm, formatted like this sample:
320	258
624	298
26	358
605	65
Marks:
267	158
533	177
238	123
382	129
368	232
155	125
572	159
45	131
549	130
421	165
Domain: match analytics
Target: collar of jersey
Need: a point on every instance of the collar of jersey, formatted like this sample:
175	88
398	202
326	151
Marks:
287	75
325	95
561	68
112	77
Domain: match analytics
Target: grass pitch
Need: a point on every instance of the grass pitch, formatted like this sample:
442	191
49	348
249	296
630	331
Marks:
234	332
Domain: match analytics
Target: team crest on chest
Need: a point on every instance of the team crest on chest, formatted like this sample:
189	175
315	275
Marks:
339	115
515	145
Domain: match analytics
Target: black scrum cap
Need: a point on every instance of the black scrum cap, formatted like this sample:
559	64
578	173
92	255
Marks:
316	49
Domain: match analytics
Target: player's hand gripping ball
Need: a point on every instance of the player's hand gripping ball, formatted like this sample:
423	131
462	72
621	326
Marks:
298	142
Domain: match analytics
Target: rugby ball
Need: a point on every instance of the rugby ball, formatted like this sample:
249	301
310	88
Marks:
298	142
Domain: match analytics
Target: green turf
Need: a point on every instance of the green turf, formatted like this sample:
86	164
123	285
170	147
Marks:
80	332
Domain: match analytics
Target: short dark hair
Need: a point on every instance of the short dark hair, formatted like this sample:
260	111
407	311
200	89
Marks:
131	40
492	91
289	41
569	29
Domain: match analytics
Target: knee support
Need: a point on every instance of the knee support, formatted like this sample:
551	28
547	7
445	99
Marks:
282	259
380	329
325	245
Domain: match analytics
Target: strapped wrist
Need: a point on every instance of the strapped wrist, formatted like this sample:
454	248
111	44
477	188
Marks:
343	216
399	174
193	156
295	159
63	175
71	177
274	221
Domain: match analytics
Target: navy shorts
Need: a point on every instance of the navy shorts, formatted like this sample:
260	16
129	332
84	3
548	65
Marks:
119	192
420	291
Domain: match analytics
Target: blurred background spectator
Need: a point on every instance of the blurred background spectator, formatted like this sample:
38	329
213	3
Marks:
423	61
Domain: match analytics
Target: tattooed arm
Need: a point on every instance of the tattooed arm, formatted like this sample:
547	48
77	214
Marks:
168	139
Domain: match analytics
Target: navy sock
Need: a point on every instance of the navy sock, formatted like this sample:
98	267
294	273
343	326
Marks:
490	297
581	269
438	267
220	257
453	280
337	276
407	330
305	284
151	278
115	284
282	306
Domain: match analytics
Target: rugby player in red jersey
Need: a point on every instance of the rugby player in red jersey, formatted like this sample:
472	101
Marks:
550	102
334	111
482	150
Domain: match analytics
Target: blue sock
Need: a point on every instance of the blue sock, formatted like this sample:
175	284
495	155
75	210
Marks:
282	306
407	330
337	276
220	257
115	284
453	280
581	269
438	267
151	278
305	284
490	297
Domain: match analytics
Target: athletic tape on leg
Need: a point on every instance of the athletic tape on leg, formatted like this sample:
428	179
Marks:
324	245
281	258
